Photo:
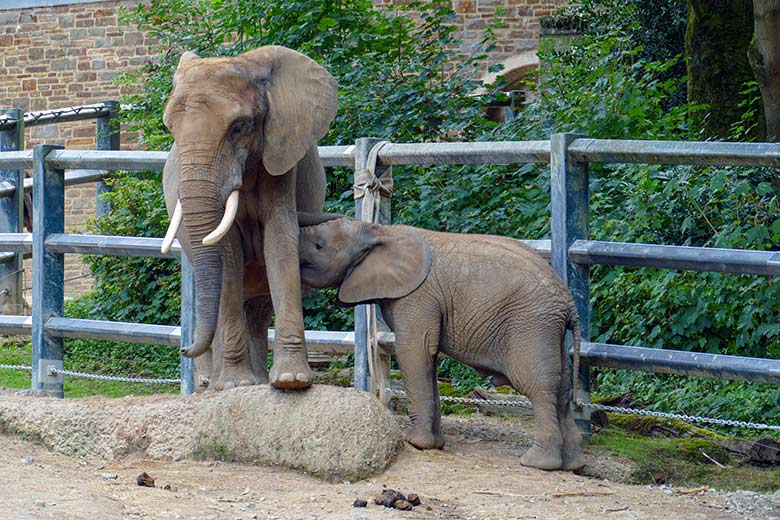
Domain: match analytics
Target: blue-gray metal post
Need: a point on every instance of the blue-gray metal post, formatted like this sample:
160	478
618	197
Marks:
106	138
569	200
12	216
48	271
187	324
363	146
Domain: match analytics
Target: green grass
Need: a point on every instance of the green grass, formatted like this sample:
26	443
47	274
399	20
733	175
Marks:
680	462
14	351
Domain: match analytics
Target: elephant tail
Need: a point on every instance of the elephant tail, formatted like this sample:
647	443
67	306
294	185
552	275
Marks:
574	325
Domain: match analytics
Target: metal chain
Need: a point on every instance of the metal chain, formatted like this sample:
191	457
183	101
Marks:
113	378
614	409
683	417
97	376
17	367
465	400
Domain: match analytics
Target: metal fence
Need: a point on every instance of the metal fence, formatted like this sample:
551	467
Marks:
570	250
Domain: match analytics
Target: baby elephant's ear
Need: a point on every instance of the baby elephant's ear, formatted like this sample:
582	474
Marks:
396	264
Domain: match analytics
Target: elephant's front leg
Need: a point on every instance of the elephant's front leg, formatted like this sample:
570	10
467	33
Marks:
233	342
290	368
417	342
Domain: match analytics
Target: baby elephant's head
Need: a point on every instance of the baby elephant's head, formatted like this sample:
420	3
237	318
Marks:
367	262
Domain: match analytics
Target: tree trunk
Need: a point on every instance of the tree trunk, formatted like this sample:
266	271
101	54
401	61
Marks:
765	61
717	40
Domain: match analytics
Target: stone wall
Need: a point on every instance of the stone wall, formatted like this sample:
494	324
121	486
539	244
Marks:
66	55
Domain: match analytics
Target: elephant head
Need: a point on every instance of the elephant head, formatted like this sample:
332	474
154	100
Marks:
367	262
233	119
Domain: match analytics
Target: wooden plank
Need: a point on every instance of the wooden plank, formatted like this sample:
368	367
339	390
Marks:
735	368
48	267
110	245
487	152
741	261
675	152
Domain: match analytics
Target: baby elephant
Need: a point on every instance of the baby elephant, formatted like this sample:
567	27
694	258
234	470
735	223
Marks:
489	302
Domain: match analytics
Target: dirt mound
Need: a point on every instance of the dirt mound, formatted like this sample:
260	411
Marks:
334	433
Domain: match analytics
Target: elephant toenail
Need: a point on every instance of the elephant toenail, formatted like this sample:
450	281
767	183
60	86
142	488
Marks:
286	377
302	377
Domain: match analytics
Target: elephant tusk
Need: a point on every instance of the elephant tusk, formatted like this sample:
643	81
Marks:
231	208
173	227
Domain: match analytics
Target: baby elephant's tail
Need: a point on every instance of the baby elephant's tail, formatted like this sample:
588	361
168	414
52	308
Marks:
573	325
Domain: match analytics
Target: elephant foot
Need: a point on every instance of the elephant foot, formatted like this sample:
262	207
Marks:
423	439
233	376
542	458
289	373
573	459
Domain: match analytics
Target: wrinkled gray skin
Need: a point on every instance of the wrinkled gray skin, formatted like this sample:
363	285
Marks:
489	302
248	123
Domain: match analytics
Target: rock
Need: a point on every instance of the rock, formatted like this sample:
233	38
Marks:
413	499
333	433
403	505
26	461
109	476
144	480
359	503
765	451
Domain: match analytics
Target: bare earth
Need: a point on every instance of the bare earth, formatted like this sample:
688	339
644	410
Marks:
478	476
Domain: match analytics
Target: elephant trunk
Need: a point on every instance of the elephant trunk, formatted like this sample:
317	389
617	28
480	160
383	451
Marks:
202	210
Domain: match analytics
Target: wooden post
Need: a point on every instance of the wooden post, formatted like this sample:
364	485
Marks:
363	146
187	323
106	138
569	198
12	218
48	272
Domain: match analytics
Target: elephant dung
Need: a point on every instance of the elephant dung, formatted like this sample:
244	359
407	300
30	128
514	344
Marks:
330	432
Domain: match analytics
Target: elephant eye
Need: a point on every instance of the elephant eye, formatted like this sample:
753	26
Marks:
241	127
319	245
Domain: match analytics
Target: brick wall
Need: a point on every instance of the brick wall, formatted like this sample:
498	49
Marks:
55	57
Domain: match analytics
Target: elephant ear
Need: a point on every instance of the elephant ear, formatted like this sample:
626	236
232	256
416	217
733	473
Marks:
394	264
302	102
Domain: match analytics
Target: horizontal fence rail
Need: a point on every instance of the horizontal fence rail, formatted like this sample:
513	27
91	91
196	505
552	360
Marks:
673	152
680	362
741	261
335	342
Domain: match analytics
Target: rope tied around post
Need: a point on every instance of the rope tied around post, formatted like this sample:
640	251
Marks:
371	188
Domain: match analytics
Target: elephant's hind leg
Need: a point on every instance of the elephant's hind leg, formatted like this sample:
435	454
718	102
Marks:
258	318
572	455
536	374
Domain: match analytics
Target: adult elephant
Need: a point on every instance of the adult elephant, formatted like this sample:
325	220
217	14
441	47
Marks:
243	163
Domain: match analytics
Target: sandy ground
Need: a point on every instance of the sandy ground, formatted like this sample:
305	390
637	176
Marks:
477	476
